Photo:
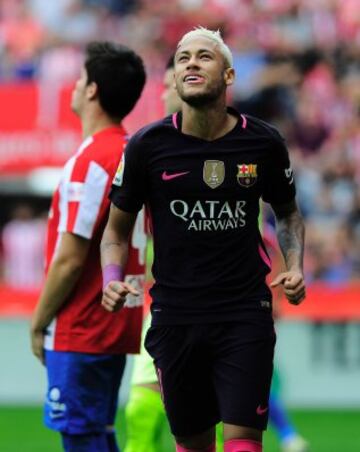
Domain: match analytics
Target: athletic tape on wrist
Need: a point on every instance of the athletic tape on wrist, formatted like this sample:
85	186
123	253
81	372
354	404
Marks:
112	272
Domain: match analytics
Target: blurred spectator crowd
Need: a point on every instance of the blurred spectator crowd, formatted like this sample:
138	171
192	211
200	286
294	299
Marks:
22	246
297	64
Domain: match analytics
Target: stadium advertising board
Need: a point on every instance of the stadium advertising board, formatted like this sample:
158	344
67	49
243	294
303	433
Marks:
38	128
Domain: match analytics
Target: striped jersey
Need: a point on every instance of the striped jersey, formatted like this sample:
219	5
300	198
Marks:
80	206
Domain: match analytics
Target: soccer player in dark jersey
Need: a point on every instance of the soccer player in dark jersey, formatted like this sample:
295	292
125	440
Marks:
201	174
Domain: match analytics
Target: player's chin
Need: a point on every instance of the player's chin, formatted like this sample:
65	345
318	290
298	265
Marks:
74	107
197	98
193	92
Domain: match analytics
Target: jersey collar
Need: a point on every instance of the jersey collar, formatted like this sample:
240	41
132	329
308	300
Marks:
111	129
242	120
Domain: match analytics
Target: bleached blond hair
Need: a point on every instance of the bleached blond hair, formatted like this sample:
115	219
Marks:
202	32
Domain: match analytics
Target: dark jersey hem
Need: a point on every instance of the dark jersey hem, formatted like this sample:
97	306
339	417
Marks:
168	318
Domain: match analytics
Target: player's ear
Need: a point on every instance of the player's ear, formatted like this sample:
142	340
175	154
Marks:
229	76
174	82
91	91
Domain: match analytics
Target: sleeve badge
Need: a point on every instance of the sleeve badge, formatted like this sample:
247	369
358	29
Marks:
118	179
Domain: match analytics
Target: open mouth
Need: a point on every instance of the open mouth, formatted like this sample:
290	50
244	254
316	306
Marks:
194	79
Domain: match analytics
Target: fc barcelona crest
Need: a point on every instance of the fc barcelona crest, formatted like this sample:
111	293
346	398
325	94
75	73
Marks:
247	174
213	173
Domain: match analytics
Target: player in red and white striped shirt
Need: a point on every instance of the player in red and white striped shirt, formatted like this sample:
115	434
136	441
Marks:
82	345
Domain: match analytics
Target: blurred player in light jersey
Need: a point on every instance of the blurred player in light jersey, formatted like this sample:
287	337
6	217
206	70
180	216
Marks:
144	412
84	347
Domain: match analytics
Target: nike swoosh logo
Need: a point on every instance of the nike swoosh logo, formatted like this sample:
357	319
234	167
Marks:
166	176
260	410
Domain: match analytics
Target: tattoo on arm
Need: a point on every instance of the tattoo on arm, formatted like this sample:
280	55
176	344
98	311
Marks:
290	232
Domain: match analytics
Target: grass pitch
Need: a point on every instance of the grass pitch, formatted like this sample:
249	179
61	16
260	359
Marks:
21	430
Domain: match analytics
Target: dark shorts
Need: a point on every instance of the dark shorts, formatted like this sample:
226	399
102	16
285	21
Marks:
82	391
214	372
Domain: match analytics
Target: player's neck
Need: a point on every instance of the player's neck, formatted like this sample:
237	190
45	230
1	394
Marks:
93	123
209	122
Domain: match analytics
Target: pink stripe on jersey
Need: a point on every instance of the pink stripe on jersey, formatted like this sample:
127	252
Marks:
242	445
264	256
158	371
244	123
174	116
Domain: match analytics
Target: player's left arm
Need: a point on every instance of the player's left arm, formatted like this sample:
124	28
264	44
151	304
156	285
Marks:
114	255
290	232
63	274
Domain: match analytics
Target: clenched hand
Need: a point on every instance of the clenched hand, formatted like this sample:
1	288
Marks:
114	295
293	284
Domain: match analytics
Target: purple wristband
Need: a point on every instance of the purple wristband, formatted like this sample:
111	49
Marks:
112	272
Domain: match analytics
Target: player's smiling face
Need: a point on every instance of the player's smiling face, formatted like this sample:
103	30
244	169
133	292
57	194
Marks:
201	75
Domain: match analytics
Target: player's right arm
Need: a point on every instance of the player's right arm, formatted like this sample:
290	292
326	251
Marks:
63	274
114	254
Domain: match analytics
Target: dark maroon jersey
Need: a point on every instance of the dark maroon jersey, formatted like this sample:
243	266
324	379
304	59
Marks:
210	262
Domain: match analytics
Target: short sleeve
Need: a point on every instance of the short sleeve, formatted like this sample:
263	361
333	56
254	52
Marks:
82	197
278	177
129	185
